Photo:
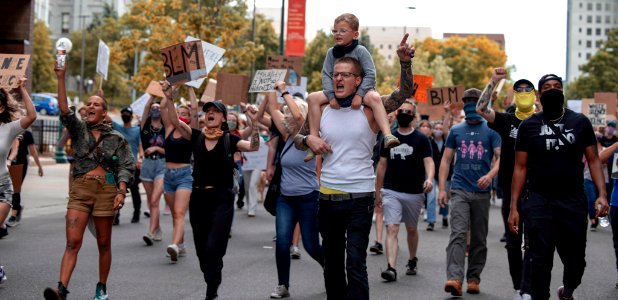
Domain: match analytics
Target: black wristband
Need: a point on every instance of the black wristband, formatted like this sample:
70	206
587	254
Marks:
285	93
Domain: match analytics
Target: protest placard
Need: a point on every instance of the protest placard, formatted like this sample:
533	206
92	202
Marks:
435	112
611	99
212	55
12	67
421	84
265	80
586	105
294	65
139	104
232	88
154	88
445	95
209	91
302	89
596	113
103	60
256	160
184	62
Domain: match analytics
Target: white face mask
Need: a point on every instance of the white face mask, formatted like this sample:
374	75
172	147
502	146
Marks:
437	133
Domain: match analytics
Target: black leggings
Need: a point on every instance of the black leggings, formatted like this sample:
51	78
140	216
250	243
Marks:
17	196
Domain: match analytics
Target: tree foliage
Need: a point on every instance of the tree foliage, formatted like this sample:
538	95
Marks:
315	52
265	37
42	59
600	73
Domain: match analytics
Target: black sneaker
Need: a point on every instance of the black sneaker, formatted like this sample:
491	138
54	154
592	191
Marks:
12	221
116	219
411	266
147	213
430	227
376	248
389	274
240	204
3	232
593	224
444	222
135	218
56	294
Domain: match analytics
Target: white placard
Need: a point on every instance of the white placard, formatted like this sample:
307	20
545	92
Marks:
265	80
212	55
596	113
256	160
139	104
103	59
575	105
302	88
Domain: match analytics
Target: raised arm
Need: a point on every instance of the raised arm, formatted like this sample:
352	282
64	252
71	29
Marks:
261	117
194	110
406	79
276	115
62	90
30	116
171	119
253	143
146	112
483	103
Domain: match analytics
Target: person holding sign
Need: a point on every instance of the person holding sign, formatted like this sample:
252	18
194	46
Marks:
211	205
548	162
346	35
103	170
507	124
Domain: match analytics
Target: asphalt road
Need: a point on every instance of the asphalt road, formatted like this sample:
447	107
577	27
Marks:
31	255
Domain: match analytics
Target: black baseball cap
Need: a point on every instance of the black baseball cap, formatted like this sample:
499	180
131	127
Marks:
547	78
217	104
127	109
524	81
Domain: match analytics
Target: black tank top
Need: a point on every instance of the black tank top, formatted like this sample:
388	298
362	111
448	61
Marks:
177	150
152	137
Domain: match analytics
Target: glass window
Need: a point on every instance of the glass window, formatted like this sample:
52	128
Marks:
579	42
381	46
579	54
608	19
599	6
598	19
589	6
588	19
65	19
390	47
606	31
581	5
588	55
597	44
588	31
597	31
608	7
588	44
580	30
390	57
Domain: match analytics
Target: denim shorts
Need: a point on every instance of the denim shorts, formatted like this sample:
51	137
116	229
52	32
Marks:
178	179
152	169
6	190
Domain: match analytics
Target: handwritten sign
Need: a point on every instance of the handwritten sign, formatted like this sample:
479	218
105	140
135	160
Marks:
103	60
12	67
421	84
294	65
445	95
212	55
184	62
154	88
611	99
596	113
232	88
264	80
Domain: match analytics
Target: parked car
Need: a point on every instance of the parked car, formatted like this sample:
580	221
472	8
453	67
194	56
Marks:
45	104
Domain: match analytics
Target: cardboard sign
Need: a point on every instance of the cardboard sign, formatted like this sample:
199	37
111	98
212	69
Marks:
596	113
154	88
435	112
103	60
12	68
256	160
611	99
139	104
210	91
265	80
232	88
421	84
184	62
450	94
586	105
212	55
294	65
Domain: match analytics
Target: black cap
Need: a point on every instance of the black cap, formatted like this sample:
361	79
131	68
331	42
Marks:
127	109
218	104
547	78
524	81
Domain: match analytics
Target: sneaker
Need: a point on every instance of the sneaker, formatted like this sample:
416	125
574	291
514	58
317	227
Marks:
18	216
453	286
280	292
473	287
158	235
116	219
444	223
389	274
295	252
174	252
526	297
167	211
182	251
56	294
411	266
517	295
148	239
2	275
561	294
147	213
101	292
3	232
12	221
503	238
390	141
376	248
430	227
240	204
135	218
593	225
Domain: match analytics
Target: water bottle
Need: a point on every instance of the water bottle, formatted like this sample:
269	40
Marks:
61	57
603	221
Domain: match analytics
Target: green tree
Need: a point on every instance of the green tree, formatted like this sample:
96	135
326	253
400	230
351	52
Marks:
266	38
600	73
43	76
315	52
437	68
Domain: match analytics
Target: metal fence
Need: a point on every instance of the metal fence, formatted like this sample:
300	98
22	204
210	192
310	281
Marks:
46	133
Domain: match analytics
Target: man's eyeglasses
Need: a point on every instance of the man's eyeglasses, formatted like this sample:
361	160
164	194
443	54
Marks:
344	74
405	111
340	31
524	89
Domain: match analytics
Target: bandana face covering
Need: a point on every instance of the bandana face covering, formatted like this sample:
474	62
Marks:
185	120
524	104
553	103
212	133
470	110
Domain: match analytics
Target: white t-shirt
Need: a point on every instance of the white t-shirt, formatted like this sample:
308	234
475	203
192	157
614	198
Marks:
8	133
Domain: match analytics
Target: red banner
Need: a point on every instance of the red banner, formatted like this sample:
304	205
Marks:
295	38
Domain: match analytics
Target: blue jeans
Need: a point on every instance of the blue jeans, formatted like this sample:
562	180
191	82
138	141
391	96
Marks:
613	219
292	210
591	194
344	226
431	203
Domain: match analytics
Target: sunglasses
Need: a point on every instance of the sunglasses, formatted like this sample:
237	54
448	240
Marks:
524	89
343	74
405	111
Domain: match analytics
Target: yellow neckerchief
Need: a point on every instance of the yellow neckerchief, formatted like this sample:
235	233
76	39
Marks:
524	114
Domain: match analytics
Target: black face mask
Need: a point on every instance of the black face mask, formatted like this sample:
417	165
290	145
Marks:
553	103
404	120
126	118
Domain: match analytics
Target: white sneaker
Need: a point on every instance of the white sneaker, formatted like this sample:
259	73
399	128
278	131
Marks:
182	251
526	297
3	275
295	252
148	238
173	251
280	292
158	235
517	295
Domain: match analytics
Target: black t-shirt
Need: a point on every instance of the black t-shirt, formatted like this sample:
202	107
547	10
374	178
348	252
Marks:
606	142
152	137
553	167
212	167
506	125
405	171
22	152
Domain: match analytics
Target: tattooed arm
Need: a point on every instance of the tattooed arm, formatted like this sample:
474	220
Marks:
253	143
483	103
396	98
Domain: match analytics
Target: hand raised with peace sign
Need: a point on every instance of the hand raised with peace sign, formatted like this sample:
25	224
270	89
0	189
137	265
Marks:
405	51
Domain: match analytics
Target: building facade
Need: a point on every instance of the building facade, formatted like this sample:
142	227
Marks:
386	39
588	24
